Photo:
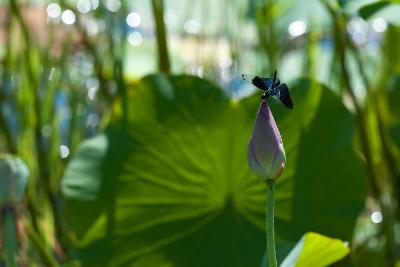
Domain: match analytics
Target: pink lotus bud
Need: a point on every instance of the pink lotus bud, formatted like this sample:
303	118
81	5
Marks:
265	153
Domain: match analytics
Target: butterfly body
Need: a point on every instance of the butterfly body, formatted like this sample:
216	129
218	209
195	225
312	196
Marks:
272	87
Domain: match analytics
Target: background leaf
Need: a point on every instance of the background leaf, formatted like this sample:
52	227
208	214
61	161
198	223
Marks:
169	185
389	10
369	10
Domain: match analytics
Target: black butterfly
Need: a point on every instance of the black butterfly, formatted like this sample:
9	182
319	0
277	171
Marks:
272	87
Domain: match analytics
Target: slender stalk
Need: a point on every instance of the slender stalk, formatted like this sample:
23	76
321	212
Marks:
390	159
270	224
6	132
10	244
391	165
45	254
163	57
10	145
15	10
340	42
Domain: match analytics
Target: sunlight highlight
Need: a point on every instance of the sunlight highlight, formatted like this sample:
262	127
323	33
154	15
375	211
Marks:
135	39
68	17
53	10
133	19
376	217
297	28
379	25
64	151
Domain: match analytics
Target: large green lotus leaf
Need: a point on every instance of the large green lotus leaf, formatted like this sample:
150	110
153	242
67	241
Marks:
324	181
168	184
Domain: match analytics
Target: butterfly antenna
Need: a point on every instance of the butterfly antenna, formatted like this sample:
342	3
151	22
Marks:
273	80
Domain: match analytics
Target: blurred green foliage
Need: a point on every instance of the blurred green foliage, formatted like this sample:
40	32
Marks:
162	178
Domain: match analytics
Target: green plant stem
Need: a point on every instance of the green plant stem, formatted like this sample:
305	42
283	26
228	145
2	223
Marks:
340	43
163	57
45	254
10	244
391	165
270	224
6	76
15	10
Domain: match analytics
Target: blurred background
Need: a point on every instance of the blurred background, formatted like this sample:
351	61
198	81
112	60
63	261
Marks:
132	171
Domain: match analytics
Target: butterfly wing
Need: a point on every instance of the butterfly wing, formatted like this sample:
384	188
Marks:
260	83
255	80
280	90
284	95
268	82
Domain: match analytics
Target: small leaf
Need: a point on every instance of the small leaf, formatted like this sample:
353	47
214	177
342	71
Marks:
315	250
368	10
388	10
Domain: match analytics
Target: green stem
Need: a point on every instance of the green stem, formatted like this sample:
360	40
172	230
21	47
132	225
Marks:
270	224
10	243
45	254
341	44
163	57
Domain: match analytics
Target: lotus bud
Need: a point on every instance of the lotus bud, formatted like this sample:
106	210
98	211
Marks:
265	154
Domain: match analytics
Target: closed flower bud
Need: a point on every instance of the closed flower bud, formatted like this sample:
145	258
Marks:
265	153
